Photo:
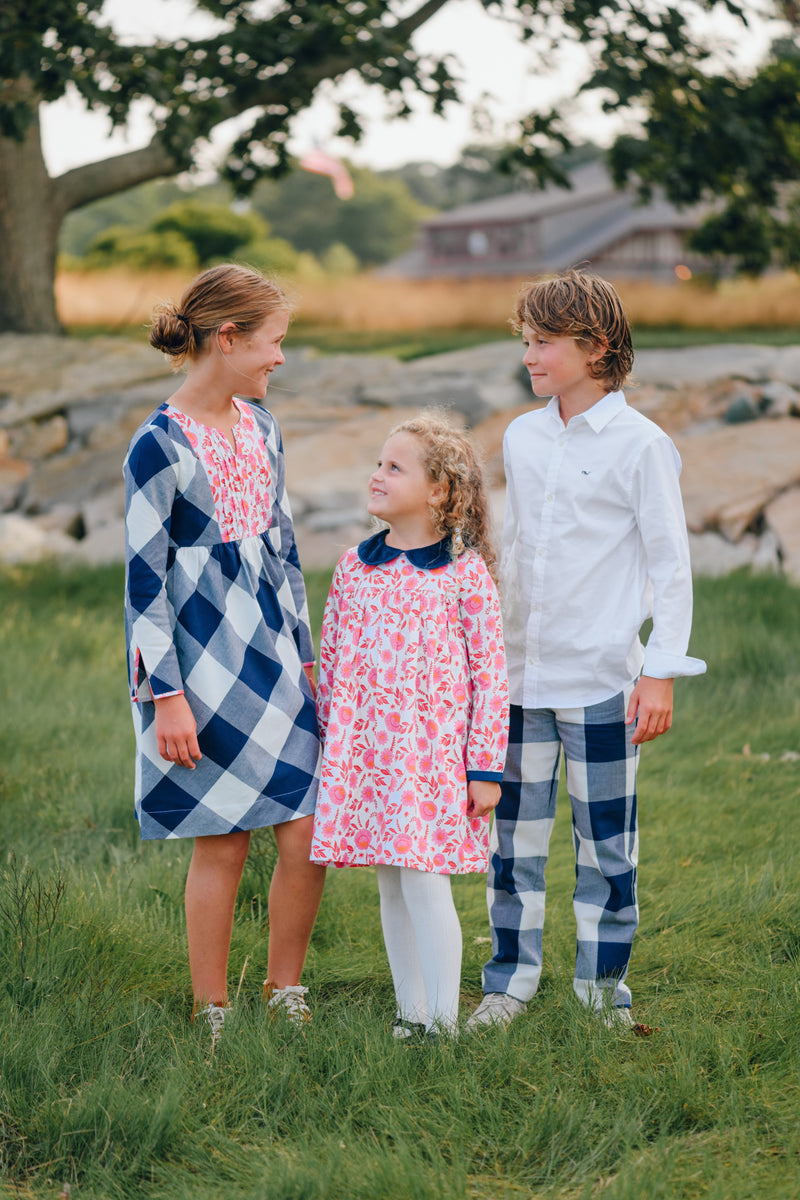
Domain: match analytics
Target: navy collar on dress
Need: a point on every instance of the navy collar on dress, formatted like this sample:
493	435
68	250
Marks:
374	551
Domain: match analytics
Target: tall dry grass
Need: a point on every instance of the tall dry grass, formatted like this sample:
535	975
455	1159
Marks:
123	298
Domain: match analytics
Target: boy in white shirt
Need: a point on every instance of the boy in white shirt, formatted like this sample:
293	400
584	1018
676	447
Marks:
594	542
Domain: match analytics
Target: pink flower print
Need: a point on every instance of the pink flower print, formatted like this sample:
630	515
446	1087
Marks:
484	761
428	810
369	758
328	829
439	836
432	730
386	758
346	714
496	704
387	656
390	676
382	737
484	679
448	795
402	843
334	748
396	641
324	809
338	794
372	677
393	722
368	794
459	693
410	763
439	860
425	764
408	797
362	839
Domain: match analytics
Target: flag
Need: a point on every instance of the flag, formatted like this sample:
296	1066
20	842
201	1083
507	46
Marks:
320	163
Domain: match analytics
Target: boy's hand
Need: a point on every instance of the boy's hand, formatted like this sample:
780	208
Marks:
482	797
176	731
651	702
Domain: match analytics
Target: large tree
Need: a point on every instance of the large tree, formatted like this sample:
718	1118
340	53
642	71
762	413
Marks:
265	59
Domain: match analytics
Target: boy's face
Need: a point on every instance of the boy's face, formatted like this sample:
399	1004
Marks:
558	366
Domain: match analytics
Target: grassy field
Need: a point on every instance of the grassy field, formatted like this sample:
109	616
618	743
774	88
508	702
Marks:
366	313
104	1084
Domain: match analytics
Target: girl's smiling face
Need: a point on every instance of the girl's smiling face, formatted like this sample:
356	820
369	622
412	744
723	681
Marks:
401	488
254	356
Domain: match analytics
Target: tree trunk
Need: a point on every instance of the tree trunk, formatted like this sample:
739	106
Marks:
29	228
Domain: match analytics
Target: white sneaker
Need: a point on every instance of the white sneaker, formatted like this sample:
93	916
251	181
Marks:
496	1008
214	1015
616	1018
288	1000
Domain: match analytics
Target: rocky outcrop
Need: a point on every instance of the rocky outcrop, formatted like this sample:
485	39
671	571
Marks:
68	408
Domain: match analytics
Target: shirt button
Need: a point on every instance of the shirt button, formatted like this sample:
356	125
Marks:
549	496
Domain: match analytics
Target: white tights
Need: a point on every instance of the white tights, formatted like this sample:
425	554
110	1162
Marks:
422	934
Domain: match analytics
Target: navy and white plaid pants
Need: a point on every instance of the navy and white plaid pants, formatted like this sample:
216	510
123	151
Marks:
601	768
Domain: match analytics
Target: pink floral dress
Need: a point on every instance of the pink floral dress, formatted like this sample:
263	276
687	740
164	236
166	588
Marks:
412	703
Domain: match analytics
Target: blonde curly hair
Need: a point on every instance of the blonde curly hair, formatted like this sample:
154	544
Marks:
450	460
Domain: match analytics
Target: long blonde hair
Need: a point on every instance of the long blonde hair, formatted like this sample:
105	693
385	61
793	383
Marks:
449	459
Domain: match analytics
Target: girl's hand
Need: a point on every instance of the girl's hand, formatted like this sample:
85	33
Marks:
176	731
482	797
309	670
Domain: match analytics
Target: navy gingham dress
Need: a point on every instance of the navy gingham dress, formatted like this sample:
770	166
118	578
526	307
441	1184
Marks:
224	621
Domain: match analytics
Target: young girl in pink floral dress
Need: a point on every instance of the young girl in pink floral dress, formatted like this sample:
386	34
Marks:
413	708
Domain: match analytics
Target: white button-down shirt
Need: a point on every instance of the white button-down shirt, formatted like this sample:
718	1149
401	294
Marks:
594	542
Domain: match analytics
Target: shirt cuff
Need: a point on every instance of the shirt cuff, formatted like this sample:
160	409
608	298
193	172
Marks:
485	776
660	665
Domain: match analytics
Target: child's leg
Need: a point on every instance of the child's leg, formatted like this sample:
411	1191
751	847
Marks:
401	947
294	896
211	887
519	845
429	900
601	779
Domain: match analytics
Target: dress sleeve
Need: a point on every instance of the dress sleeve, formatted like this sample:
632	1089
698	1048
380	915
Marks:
151	480
327	651
287	548
479	612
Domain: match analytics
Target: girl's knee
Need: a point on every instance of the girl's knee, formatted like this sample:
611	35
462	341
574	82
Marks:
226	851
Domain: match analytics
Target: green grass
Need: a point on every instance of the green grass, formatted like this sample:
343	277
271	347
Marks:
105	1085
419	343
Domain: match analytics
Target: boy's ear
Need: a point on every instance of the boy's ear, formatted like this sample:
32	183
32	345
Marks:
599	347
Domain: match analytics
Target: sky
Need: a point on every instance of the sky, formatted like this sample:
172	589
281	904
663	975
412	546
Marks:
500	76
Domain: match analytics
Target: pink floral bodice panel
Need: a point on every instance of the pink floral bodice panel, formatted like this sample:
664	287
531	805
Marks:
412	696
240	479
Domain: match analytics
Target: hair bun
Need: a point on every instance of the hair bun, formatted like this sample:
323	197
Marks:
171	332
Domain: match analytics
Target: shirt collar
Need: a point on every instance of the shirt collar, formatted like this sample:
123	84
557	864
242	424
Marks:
374	552
599	415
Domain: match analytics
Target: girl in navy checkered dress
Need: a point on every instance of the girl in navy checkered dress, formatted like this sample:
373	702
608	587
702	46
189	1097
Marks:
413	705
220	652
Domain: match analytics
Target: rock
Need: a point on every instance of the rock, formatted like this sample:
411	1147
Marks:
13	473
742	408
783	518
22	541
695	365
713	555
40	439
777	399
732	473
103	545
